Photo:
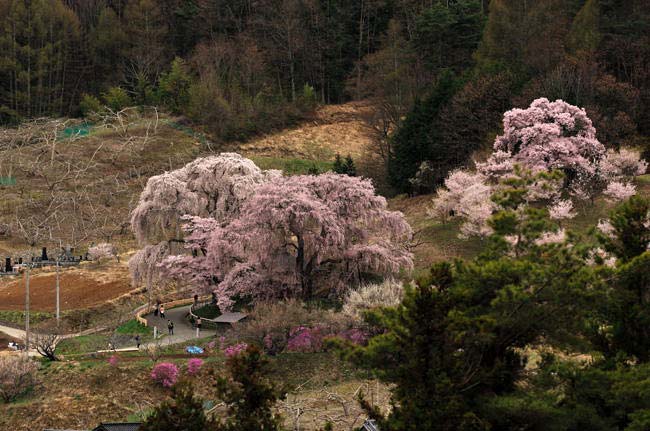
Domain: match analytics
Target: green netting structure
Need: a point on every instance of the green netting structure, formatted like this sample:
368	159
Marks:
77	130
7	181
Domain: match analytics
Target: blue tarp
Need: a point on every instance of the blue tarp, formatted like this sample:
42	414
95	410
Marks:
194	350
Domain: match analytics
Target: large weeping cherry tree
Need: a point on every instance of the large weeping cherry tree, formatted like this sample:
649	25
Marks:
296	237
212	187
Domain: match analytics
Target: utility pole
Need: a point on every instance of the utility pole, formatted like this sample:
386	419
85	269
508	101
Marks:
27	310
58	315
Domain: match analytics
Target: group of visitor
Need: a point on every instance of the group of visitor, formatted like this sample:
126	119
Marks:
159	309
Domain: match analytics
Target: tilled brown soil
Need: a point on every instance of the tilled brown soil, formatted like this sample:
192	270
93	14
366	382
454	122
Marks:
80	288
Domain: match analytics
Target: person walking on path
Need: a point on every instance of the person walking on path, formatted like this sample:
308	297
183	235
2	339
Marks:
155	310
198	323
137	341
170	327
162	311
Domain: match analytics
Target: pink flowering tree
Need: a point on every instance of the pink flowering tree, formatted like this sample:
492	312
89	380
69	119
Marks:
465	195
543	138
294	237
213	187
623	164
561	210
548	136
619	191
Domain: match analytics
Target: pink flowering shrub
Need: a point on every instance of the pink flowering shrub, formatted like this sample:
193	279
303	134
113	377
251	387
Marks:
606	228
551	238
165	374
235	350
194	365
598	256
113	361
304	339
310	340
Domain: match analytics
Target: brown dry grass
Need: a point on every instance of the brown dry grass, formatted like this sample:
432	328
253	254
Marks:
334	129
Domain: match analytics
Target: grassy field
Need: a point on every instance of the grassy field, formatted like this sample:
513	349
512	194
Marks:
292	166
133	327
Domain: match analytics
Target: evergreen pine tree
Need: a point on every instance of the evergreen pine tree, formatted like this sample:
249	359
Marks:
418	139
249	396
313	170
339	166
349	166
183	412
631	224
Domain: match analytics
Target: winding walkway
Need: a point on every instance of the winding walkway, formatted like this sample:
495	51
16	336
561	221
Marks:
183	331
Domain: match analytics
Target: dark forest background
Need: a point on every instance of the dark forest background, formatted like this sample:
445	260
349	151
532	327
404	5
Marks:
439	72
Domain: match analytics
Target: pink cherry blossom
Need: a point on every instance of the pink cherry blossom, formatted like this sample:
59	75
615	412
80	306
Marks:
619	191
562	209
295	235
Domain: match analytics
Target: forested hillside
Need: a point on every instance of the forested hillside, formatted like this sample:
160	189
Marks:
241	67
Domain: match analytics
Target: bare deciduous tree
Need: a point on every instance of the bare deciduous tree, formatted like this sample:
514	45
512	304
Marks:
45	344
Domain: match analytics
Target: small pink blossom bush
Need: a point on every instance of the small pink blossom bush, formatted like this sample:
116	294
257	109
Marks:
235	350
304	339
194	366
622	164
606	228
547	238
165	374
598	256
113	361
